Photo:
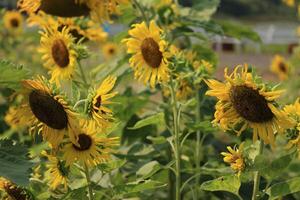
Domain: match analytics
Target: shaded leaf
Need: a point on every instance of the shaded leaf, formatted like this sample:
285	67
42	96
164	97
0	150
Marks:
153	119
284	188
148	169
229	183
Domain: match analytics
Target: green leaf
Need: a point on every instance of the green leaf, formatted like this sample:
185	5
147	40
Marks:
157	140
147	170
135	187
112	165
239	31
230	183
79	193
14	165
11	75
153	119
284	188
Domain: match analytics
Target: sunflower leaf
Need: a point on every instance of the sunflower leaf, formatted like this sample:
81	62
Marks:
157	118
12	74
230	183
284	188
14	164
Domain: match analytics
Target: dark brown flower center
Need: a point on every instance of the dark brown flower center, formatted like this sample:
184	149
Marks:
60	53
111	51
98	102
282	67
14	22
151	53
15	192
85	142
48	110
250	105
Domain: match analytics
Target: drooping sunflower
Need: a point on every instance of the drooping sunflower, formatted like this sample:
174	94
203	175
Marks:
109	50
13	21
57	173
293	110
11	118
234	157
47	111
58	51
99	116
150	58
13	191
280	67
91	149
99	10
243	104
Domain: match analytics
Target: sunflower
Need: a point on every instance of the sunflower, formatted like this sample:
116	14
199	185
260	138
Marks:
13	21
13	191
99	115
280	67
150	57
11	118
91	149
57	173
45	110
234	157
184	90
293	135
58	52
290	3
109	50
243	103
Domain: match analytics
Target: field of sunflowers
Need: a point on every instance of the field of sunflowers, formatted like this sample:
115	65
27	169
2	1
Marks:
133	100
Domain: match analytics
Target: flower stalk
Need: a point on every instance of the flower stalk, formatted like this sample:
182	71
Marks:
88	179
257	174
176	136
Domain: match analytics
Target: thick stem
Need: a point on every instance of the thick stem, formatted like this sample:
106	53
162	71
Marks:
257	175
198	143
176	142
88	179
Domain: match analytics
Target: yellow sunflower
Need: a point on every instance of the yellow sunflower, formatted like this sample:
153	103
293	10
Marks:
46	110
57	173
234	157
109	50
99	115
245	104
150	58
91	149
11	118
290	3
184	90
280	67
293	135
13	191
13	21
58	52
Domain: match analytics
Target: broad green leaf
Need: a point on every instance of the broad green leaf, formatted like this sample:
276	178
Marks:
79	193
153	119
112	165
284	188
135	187
230	183
14	165
11	75
157	140
238	31
148	169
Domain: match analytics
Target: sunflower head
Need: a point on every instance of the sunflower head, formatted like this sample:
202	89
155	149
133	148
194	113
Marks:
59	54
150	58
244	103
293	135
234	157
280	67
14	191
91	148
13	21
109	50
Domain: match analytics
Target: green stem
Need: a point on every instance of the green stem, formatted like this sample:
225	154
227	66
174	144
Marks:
176	118
139	7
82	74
257	175
88	179
198	144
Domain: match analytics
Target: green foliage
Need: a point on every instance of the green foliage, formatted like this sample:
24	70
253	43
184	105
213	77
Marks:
14	164
284	188
11	75
157	119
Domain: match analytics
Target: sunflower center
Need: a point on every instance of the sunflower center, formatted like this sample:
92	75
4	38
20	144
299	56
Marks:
111	51
48	110
151	53
14	23
98	102
282	67
15	192
85	142
60	53
250	105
